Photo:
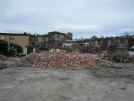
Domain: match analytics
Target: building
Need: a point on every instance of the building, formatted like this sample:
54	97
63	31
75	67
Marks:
40	41
68	44
22	40
55	39
131	41
59	36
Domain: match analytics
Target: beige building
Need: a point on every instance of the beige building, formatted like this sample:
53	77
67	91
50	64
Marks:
24	40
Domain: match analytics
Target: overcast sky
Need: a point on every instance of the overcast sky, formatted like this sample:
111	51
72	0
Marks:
82	17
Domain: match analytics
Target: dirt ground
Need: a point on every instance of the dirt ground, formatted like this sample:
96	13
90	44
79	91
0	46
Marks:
104	83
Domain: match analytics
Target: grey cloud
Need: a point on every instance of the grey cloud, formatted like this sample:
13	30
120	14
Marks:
87	16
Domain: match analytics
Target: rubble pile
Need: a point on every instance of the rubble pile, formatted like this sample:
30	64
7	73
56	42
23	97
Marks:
3	58
6	62
61	59
2	64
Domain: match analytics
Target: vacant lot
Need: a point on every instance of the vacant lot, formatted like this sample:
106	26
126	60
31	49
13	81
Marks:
113	83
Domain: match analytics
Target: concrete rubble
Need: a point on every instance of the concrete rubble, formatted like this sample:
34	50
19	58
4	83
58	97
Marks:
54	58
61	59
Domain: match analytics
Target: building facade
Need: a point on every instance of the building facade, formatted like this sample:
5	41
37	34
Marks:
23	40
55	39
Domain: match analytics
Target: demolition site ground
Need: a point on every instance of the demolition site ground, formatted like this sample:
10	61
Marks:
61	76
102	83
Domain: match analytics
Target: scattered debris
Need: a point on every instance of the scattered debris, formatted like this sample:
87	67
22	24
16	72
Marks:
3	58
6	62
2	65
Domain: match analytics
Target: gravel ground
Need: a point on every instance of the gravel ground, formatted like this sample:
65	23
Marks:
104	83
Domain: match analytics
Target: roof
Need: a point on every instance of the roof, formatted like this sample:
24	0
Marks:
16	34
55	32
44	35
